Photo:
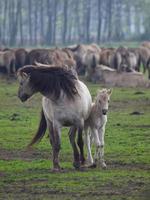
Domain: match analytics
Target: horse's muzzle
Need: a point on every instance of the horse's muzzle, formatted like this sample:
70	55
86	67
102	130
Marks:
23	97
104	111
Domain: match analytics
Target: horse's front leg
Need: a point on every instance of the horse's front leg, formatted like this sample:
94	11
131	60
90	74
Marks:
81	145
72	135
54	132
101	148
8	71
13	67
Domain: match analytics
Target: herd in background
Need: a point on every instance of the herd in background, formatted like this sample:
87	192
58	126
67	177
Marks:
82	58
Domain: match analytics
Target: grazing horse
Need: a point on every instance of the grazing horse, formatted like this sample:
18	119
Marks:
66	102
96	122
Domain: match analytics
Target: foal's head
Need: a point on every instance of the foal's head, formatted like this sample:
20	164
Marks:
102	100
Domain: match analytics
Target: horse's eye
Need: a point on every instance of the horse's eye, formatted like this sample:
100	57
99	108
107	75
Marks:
108	101
21	83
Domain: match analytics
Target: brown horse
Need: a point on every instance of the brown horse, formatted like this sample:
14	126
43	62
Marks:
20	57
145	57
83	55
7	60
48	56
146	44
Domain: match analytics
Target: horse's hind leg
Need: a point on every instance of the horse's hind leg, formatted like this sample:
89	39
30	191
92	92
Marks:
81	145
72	134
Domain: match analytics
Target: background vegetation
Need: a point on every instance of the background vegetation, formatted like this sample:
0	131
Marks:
55	22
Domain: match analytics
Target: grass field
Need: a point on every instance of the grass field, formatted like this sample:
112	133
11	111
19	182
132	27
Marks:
27	175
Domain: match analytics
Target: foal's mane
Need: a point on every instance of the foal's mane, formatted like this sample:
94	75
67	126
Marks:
51	80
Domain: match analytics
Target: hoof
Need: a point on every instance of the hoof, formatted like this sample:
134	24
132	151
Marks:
57	170
82	169
76	165
103	165
82	160
92	166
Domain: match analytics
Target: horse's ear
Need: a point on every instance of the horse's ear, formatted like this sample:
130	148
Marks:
109	91
24	75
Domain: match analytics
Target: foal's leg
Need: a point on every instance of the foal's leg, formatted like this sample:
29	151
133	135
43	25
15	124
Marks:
88	145
81	145
97	143
101	148
72	134
55	142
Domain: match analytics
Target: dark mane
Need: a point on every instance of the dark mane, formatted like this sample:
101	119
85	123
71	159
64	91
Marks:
51	80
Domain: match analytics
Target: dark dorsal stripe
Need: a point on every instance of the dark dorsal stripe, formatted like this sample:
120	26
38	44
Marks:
74	48
51	80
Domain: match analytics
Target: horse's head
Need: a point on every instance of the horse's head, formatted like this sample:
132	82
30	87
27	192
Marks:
25	90
102	100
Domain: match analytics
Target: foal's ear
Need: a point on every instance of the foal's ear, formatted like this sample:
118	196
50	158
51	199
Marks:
109	91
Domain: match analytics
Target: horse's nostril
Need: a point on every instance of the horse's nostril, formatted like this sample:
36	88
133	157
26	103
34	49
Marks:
104	111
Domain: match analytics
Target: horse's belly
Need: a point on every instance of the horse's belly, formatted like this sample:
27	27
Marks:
68	117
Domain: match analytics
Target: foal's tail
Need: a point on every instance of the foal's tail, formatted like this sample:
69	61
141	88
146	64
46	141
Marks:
41	130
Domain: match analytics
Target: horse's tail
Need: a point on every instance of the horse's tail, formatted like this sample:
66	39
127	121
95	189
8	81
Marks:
41	130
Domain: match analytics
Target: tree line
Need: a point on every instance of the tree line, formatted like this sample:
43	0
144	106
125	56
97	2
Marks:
53	22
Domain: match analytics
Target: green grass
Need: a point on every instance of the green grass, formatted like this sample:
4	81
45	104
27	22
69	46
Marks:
27	175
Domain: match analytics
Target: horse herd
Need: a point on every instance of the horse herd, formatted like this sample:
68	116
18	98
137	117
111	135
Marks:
66	100
83	58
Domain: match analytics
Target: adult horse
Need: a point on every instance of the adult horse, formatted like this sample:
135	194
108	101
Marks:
66	102
7	60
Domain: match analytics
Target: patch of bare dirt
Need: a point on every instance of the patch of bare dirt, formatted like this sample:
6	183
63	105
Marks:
27	155
125	104
33	154
139	93
127	166
2	174
136	113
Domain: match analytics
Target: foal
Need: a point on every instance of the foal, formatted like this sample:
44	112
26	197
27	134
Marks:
96	122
